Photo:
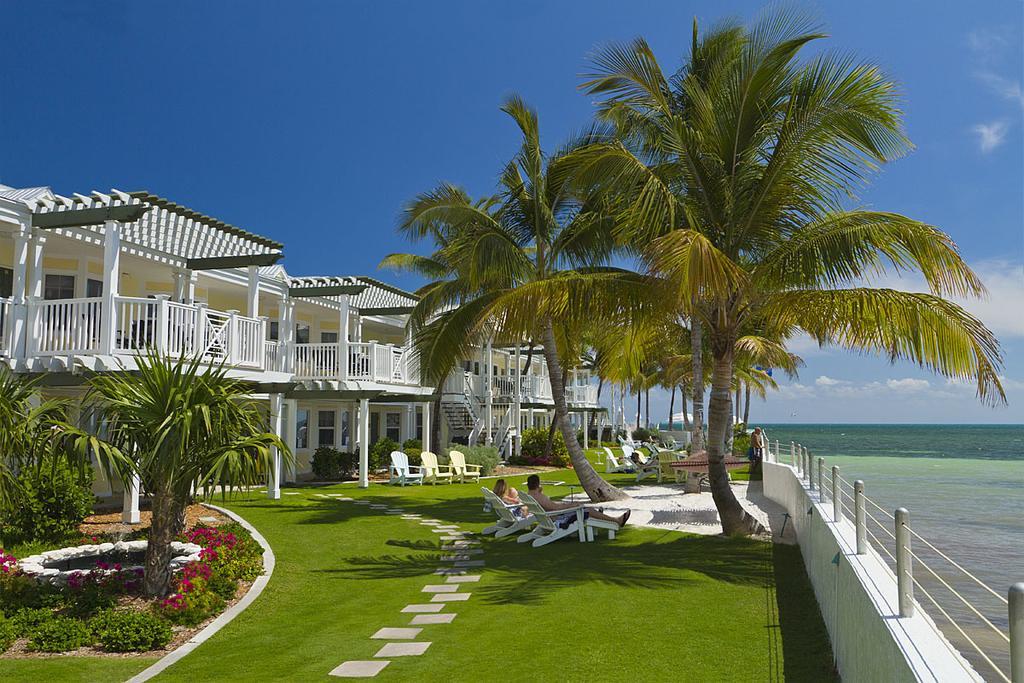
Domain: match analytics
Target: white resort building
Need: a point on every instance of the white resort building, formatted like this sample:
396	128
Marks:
89	281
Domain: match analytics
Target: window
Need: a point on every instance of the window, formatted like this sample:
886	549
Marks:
467	365
302	428
476	368
345	417
6	282
274	330
393	426
59	287
93	288
325	431
419	426
328	337
301	334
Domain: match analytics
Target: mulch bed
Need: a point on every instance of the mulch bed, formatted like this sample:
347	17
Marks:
110	524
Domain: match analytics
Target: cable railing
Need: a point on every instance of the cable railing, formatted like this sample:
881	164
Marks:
986	626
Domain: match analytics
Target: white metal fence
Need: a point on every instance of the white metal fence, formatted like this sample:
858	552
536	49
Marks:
985	626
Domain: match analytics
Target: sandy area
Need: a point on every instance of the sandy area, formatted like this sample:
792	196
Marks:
111	524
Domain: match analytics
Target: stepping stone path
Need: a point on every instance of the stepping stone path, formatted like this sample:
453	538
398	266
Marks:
459	547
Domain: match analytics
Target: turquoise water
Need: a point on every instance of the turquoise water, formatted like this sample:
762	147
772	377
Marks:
963	486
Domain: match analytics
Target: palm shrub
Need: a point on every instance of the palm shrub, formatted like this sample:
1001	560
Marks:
732	181
181	428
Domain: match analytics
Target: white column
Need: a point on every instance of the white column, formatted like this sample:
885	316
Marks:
488	381
130	509
252	299
364	443
277	426
185	285
410	420
290	429
586	431
19	318
286	335
517	408
426	426
35	283
343	339
111	280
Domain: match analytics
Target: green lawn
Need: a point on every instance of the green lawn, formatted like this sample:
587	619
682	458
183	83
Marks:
650	605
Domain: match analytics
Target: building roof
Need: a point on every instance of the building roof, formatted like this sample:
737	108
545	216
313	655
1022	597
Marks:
373	298
171	230
15	194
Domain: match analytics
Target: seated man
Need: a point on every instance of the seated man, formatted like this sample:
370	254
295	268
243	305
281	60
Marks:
536	490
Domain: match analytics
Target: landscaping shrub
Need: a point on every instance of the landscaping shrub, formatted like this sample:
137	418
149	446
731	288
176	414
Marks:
56	499
20	591
534	442
641	434
223	585
129	631
485	456
7	633
330	464
380	453
740	445
59	634
412	443
26	621
89	592
413	448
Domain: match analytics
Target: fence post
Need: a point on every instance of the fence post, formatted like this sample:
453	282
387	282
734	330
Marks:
821	479
163	311
1016	609
810	472
792	453
837	494
858	517
904	568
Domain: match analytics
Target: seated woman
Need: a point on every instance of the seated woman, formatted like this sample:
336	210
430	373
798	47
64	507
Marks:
510	496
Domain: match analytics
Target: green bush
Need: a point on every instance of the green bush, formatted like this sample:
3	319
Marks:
330	464
7	633
412	443
56	499
27	620
485	456
245	560
740	445
59	634
223	585
380	453
130	631
535	441
20	591
642	434
414	455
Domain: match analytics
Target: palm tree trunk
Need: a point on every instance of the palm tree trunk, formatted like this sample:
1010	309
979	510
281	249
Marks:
746	403
168	522
597	488
639	395
697	355
735	520
686	415
647	408
672	409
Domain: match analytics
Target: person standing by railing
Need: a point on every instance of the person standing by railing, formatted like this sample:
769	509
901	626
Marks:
757	443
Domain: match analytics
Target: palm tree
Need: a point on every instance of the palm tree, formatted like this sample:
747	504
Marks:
179	429
733	175
515	263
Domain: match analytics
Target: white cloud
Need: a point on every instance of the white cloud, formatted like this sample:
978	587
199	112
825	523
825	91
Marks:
990	135
826	381
908	385
1002	86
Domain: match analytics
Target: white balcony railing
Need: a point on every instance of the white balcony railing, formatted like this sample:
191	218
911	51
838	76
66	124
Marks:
6	325
367	361
67	326
533	388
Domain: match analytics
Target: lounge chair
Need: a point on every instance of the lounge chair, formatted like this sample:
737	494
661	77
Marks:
402	472
432	471
508	523
613	466
463	470
548	530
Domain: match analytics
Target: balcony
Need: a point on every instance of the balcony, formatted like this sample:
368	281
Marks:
367	361
533	388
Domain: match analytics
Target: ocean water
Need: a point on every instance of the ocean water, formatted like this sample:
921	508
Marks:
963	486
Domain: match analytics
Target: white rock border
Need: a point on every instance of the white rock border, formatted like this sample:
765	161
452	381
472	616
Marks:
227	615
35	565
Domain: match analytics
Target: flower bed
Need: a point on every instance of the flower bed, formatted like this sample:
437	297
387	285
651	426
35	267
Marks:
101	610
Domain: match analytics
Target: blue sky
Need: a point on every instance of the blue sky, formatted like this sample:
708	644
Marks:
312	122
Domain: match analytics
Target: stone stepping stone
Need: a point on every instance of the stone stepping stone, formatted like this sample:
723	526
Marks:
290	493
438	521
396	634
361	502
449	572
439	530
450	597
448	538
421	609
424	619
466	578
449	526
428	523
468	563
402	650
441	588
378	507
455	558
359	669
410	517
460	545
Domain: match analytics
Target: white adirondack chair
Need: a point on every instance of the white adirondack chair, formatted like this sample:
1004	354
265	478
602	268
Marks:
508	523
612	464
402	472
432	471
548	530
463	470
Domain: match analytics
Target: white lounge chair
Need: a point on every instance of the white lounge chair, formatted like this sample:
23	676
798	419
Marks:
432	471
508	523
548	530
402	472
612	464
463	470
